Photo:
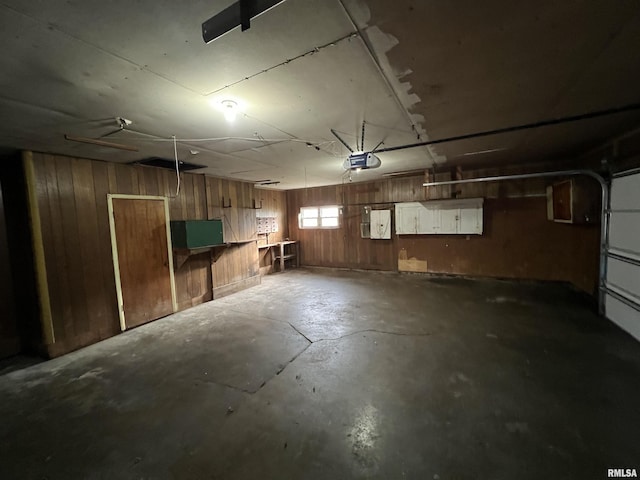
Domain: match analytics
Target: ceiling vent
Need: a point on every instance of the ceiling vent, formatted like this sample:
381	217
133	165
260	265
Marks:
167	163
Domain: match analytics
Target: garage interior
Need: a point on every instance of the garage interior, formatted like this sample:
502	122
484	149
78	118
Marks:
319	239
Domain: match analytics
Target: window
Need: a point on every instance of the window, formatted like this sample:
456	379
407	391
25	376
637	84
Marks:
319	217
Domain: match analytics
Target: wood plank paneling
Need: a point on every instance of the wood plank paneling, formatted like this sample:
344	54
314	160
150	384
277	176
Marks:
75	312
518	241
193	278
72	200
237	262
87	221
274	204
106	301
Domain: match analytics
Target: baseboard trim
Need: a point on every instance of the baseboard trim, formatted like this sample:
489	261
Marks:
225	290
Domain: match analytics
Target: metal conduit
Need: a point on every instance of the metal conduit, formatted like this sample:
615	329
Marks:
604	212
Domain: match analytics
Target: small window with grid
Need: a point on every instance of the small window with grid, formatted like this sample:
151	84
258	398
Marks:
319	217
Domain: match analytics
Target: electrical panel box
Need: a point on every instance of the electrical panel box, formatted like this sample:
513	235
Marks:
380	224
196	233
267	225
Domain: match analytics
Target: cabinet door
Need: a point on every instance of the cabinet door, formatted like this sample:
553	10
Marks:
407	219
449	219
445	217
428	220
563	201
470	221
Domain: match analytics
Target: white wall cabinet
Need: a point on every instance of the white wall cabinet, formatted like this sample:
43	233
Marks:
441	217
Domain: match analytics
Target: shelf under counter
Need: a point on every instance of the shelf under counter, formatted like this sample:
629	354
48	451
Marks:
180	255
279	254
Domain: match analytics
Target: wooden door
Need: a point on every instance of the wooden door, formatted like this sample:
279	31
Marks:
140	227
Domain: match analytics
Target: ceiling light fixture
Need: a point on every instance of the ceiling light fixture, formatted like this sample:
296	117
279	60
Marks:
229	109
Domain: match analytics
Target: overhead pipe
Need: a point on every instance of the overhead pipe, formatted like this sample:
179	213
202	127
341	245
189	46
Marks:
604	212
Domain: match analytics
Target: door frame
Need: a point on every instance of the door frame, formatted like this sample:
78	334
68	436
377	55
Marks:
114	250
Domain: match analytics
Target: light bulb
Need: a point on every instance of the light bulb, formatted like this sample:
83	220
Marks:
229	109
230	115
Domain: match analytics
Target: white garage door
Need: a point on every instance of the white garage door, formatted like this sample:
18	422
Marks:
623	272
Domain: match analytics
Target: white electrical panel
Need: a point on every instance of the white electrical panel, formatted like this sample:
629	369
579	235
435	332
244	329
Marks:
380	224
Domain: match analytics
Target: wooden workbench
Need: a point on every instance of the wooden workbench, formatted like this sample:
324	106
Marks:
281	252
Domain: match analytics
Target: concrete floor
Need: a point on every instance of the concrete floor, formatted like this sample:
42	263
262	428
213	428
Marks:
321	374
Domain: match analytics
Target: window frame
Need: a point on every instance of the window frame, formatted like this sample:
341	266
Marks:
319	217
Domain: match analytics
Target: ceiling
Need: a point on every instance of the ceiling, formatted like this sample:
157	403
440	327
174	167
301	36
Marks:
412	70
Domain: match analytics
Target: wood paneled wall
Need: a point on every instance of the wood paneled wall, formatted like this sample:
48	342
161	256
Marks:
237	266
9	337
72	203
274	204
518	240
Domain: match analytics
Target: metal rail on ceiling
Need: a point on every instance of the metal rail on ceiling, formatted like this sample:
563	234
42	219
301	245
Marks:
516	128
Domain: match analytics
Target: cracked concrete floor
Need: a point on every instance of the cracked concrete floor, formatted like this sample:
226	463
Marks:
322	374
